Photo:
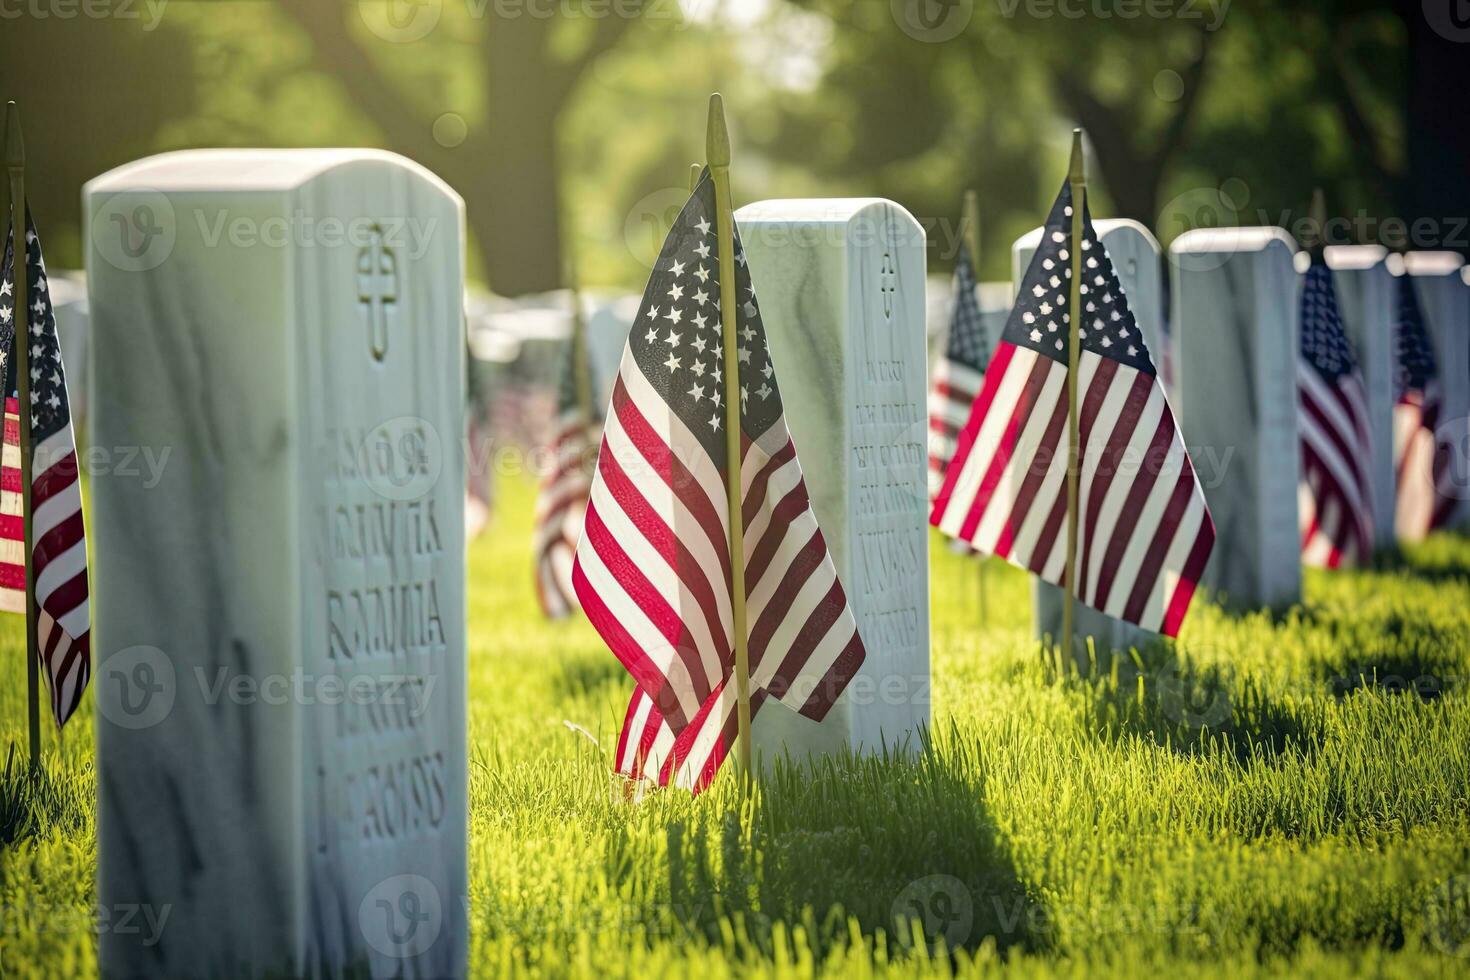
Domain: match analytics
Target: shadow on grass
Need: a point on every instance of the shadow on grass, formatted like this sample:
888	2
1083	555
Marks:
899	849
39	802
1442	558
1193	709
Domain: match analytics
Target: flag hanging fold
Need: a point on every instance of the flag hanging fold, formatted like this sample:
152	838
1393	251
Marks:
652	570
1424	474
1335	500
561	501
59	546
1144	531
958	374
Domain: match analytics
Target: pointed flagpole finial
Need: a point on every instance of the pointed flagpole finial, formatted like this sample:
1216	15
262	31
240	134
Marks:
1077	171
1317	222
694	172
15	147
717	137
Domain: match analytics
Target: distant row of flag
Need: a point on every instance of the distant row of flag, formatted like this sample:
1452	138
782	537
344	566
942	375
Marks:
1336	495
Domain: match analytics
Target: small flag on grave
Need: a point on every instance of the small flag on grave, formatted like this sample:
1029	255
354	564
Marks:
561	501
1422	462
1336	497
653	569
58	541
1144	532
959	373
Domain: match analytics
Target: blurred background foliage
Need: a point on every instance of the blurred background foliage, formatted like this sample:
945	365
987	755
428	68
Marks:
569	125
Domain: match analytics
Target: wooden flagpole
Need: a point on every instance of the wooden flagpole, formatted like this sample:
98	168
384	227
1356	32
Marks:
971	219
694	171
1077	177
581	371
717	151
15	166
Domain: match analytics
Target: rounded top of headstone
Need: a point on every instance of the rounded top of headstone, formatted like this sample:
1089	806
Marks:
822	210
1346	258
1433	263
248	170
1106	228
1248	239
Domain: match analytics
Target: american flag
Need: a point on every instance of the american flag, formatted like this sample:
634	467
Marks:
959	373
653	567
1336	496
1144	531
1422	461
561	501
59	546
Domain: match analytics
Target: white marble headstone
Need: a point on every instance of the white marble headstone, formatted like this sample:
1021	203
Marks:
841	289
1365	296
1235	300
1136	257
279	622
1444	299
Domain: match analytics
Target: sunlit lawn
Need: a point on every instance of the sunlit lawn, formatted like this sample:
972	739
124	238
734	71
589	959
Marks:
1284	795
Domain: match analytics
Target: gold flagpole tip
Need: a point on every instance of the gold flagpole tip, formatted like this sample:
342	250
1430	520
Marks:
1318	214
1077	171
694	172
717	137
15	147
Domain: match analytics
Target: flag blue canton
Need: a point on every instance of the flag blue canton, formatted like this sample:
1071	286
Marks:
1040	319
49	410
677	340
966	343
1416	366
1324	342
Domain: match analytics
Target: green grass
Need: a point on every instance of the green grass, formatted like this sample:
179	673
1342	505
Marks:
1284	793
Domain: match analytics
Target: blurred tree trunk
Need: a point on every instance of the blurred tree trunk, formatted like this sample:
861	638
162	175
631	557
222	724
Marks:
1133	159
506	166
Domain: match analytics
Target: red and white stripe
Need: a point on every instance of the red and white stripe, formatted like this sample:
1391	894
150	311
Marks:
59	550
951	394
1144	532
1423	466
653	576
1336	495
561	504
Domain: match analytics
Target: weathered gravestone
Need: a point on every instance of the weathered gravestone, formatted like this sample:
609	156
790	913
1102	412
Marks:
1235	313
841	290
280	620
1135	254
1365	297
1444	299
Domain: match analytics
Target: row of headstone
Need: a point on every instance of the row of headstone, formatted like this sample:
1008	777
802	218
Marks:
280	615
1234	349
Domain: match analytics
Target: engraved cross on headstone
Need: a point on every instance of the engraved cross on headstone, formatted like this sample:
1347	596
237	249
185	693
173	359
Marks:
887	285
377	290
